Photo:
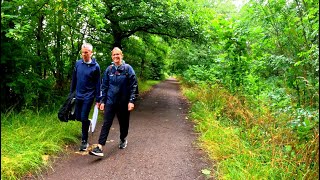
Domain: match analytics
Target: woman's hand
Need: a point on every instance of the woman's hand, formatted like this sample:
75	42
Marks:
130	106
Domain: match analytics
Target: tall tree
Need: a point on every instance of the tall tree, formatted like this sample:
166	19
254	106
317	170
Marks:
118	20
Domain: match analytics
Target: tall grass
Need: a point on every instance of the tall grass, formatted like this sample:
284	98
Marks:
248	142
28	138
145	86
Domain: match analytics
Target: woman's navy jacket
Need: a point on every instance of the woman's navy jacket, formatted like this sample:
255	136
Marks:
119	85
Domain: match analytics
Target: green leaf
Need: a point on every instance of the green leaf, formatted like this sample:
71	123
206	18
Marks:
288	148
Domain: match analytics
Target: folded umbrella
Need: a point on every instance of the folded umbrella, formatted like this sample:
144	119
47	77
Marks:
94	119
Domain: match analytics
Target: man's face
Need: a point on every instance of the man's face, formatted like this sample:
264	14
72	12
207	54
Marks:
116	57
86	54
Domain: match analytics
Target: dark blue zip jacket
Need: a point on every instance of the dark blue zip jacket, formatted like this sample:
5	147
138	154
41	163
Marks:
86	80
117	86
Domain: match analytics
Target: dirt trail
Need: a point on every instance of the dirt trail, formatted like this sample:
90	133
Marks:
161	145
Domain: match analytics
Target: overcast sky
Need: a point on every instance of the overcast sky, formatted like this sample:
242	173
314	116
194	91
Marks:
239	3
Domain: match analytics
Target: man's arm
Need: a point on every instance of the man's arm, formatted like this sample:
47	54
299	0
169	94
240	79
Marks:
98	85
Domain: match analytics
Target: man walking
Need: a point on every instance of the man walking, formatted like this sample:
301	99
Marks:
86	82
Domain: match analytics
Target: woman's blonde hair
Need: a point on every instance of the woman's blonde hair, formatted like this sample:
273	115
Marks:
116	49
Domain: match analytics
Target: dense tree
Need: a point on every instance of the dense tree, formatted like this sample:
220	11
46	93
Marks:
284	37
114	21
49	34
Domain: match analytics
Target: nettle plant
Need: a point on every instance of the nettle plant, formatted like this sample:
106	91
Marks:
198	74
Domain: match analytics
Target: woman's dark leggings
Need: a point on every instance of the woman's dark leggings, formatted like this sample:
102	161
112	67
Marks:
82	114
123	116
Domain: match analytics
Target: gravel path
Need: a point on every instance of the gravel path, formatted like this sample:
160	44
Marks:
161	145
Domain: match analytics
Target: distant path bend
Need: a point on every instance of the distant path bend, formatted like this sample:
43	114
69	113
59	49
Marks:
161	145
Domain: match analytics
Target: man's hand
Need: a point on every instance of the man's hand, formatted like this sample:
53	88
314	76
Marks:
102	106
130	106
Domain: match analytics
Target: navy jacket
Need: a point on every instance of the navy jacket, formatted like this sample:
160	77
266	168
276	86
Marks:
117	86
86	80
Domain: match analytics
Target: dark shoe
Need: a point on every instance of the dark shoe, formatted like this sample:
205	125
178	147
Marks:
123	144
84	146
97	151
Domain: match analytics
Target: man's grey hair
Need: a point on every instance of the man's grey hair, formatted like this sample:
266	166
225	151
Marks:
87	45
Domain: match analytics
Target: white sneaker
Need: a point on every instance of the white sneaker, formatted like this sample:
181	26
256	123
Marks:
123	144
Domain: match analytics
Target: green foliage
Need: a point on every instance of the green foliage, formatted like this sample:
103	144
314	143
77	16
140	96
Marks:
197	74
145	86
305	120
34	94
267	58
27	140
45	38
185	54
146	53
288	26
249	142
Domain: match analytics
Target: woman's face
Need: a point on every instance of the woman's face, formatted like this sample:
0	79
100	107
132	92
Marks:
116	57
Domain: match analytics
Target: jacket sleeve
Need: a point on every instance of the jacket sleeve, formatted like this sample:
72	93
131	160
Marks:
98	84
74	79
133	85
104	86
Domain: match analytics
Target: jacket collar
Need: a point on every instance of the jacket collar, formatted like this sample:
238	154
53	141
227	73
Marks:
121	67
93	61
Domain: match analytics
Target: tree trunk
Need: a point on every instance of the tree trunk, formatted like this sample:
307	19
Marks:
117	41
57	54
39	63
141	68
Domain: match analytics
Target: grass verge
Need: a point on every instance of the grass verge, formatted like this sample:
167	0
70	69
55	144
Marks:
28	139
145	86
247	142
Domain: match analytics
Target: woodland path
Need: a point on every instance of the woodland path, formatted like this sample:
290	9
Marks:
161	145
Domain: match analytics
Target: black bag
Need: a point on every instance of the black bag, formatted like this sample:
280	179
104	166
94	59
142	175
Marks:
67	111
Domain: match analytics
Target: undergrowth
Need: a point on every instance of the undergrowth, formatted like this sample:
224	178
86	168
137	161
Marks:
247	141
28	138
